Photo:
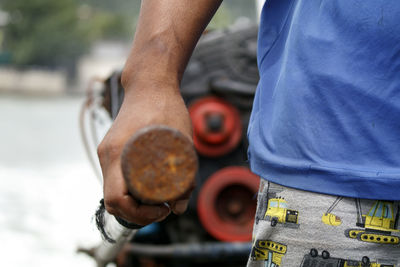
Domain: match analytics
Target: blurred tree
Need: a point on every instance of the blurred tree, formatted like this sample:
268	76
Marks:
44	32
111	19
55	33
231	10
240	8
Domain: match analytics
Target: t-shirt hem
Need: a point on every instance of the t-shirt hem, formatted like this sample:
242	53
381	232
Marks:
331	181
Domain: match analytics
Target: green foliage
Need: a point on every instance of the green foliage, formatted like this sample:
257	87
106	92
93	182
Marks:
221	19
244	8
231	10
44	32
54	33
111	19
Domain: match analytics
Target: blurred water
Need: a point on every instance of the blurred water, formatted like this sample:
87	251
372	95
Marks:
48	193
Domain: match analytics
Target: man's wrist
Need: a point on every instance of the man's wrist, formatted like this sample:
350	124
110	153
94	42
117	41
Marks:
145	83
152	66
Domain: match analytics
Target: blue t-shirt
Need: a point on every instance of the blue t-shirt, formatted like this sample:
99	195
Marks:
326	116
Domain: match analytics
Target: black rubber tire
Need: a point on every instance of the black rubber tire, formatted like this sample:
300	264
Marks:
325	255
274	222
313	252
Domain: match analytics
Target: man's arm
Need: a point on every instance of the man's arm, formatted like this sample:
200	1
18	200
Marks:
166	35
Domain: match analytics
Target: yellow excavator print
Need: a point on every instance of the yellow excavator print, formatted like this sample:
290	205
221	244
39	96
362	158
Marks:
379	223
268	251
278	212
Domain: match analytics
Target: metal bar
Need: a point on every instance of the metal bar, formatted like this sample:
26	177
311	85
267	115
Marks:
173	162
107	252
196	251
159	164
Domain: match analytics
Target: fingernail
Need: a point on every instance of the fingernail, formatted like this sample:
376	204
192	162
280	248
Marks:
181	205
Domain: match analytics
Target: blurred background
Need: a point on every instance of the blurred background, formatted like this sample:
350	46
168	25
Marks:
49	51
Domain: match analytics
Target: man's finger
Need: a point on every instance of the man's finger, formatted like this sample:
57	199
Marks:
142	214
178	207
119	203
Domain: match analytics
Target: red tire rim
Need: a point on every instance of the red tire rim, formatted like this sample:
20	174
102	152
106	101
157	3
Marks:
217	128
227	204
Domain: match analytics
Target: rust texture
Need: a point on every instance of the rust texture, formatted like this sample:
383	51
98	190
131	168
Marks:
159	164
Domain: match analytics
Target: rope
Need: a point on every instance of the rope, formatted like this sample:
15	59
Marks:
100	222
82	129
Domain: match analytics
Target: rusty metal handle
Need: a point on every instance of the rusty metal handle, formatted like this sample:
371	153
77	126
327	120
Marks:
159	164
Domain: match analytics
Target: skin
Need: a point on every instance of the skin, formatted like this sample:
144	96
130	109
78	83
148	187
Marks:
166	35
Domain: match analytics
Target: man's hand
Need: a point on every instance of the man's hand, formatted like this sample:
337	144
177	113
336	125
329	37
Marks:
165	37
157	106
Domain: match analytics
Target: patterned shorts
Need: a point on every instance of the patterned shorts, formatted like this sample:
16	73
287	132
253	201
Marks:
300	228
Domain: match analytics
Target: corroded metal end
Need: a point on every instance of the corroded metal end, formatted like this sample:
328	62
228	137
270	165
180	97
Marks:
159	164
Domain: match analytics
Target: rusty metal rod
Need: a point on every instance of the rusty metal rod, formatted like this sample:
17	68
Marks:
159	165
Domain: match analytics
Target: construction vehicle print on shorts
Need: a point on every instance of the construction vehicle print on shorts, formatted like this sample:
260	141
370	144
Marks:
269	191
331	219
278	212
325	260
269	251
379	223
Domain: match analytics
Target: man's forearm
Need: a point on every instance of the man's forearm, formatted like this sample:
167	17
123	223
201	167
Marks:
165	37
